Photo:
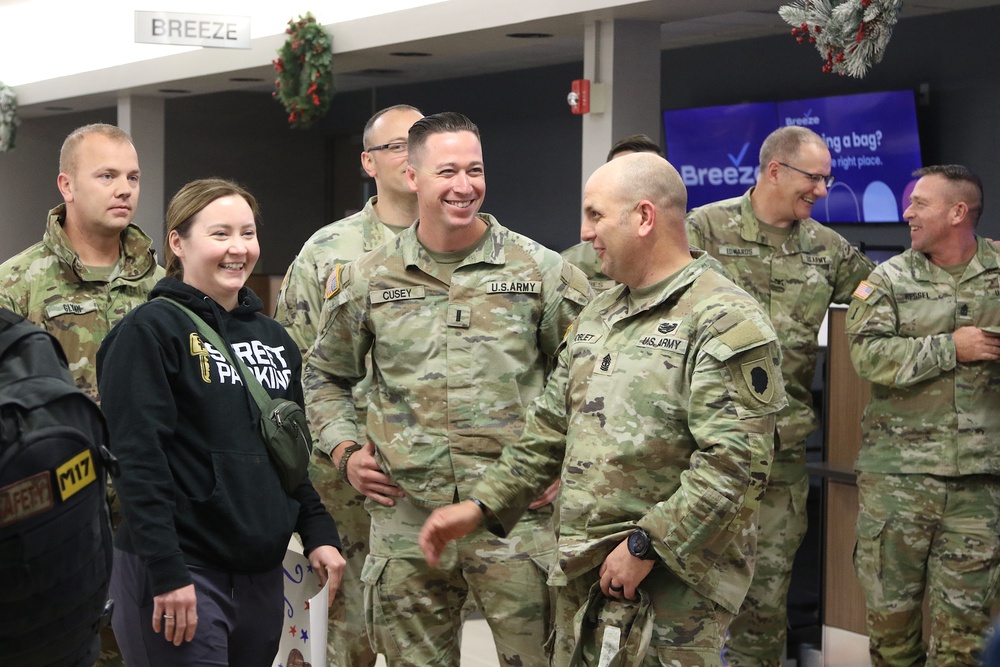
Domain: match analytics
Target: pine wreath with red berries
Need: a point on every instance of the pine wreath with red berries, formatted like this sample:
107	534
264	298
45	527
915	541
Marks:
305	72
851	36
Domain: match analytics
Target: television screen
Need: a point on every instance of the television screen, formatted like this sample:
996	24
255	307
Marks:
872	137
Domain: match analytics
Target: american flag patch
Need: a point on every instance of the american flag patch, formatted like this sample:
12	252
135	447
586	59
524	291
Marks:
333	282
864	290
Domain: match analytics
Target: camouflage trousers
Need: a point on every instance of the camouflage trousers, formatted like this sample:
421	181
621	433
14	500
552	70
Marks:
758	634
920	533
414	613
671	624
347	638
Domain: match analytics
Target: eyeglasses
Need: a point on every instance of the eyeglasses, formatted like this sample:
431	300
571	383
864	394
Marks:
396	148
815	178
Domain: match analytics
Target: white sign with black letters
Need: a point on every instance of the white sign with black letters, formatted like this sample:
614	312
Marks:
211	30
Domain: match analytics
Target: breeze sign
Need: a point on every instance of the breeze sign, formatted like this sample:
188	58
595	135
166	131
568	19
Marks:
210	30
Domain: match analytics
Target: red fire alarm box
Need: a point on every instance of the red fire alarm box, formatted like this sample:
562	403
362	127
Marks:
579	97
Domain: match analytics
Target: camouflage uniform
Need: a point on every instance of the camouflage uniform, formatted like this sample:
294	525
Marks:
928	485
661	411
455	365
584	257
48	285
796	284
300	304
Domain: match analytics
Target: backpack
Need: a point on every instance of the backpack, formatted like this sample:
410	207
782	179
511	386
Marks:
55	526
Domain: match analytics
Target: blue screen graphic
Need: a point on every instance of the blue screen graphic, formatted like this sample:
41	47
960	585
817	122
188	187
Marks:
872	137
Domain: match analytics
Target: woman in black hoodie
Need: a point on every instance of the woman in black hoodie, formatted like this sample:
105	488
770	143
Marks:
206	522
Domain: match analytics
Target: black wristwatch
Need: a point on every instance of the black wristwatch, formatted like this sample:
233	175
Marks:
342	468
640	545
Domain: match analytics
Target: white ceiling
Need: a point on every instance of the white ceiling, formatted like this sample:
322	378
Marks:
464	37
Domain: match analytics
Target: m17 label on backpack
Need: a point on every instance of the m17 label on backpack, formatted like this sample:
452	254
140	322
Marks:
75	474
25	498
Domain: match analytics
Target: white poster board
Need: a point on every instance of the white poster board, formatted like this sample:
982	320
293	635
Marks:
303	637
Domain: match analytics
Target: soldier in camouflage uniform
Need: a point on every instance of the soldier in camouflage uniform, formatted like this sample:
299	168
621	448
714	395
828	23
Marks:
795	268
582	255
462	318
924	330
661	412
300	304
92	265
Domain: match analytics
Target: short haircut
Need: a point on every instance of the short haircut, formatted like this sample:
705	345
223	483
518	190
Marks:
438	123
190	200
784	143
637	143
366	138
968	185
68	152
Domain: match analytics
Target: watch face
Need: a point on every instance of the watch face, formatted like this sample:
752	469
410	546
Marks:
638	544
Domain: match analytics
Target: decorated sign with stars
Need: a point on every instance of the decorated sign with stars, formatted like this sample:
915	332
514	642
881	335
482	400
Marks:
303	640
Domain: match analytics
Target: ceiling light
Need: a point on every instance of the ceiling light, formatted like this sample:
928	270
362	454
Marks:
410	54
529	35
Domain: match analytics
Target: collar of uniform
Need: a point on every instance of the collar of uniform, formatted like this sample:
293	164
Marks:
987	258
372	227
136	260
670	289
490	252
750	229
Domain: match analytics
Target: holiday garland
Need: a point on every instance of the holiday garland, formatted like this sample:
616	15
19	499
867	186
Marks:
851	37
305	72
8	118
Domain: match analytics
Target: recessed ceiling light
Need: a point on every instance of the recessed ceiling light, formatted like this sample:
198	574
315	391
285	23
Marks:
245	79
529	35
174	91
410	54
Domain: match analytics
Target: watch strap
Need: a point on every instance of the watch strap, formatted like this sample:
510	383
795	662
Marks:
342	468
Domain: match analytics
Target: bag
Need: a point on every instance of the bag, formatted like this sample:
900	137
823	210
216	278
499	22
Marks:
55	524
283	424
285	431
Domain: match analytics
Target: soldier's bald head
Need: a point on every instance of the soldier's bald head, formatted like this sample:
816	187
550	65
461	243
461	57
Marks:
645	176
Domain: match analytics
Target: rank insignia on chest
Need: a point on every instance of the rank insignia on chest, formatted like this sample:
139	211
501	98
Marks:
606	364
333	282
864	290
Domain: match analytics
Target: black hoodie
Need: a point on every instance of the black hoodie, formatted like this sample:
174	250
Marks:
196	484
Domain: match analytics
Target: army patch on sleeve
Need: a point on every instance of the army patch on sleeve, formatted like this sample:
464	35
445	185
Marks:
757	375
864	290
333	282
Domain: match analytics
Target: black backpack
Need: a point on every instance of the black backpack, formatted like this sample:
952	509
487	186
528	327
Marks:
55	528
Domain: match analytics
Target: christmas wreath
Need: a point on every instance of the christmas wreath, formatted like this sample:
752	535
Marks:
851	37
305	72
8	118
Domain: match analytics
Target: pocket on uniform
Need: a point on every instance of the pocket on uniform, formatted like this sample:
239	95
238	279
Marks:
868	554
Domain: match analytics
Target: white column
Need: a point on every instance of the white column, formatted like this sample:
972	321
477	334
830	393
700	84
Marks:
624	56
144	119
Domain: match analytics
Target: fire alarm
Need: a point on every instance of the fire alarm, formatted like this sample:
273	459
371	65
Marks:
579	97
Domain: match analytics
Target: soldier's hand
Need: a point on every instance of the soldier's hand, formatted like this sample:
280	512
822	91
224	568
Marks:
176	614
547	497
621	572
974	344
367	477
445	525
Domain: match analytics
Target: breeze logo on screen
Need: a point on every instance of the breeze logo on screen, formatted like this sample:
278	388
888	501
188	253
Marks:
873	142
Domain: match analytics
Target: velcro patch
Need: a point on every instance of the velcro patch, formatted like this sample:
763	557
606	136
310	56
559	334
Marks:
70	308
25	498
333	282
523	287
588	338
75	474
396	294
665	343
757	374
864	290
602	285
606	364
739	251
817	260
